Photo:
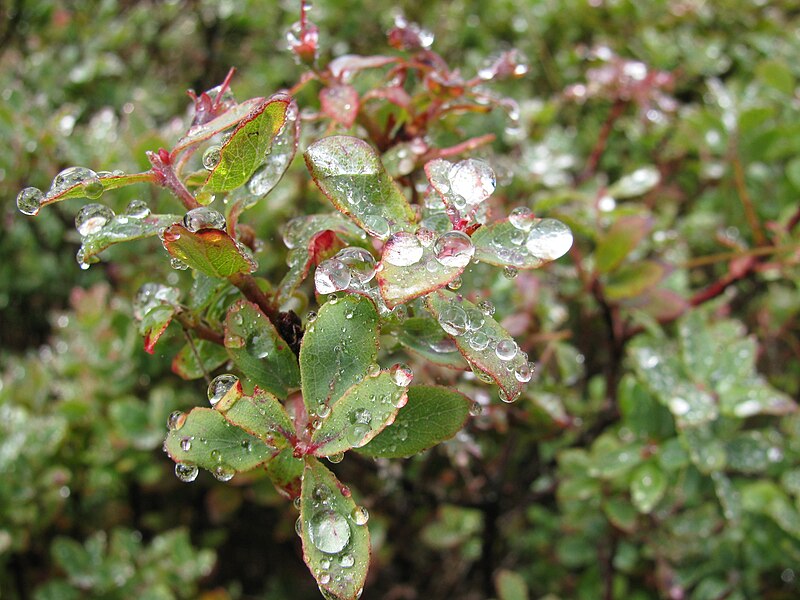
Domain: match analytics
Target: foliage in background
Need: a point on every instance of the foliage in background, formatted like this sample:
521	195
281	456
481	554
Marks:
650	455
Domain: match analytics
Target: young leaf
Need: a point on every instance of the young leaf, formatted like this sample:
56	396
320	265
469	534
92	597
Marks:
338	350
511	585
359	415
623	236
505	245
186	366
211	251
633	280
637	183
109	182
206	439
340	103
248	145
226	120
285	471
256	348
123	228
432	415
154	323
424	336
648	484
477	337
335	540
263	416
349	172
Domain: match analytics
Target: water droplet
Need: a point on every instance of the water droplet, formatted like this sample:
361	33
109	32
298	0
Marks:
259	345
478	341
298	526
486	307
510	272
311	316
186	472
475	409
93	188
30	200
426	236
329	532
454	249
346	561
247	445
321	493
224	472
549	239
473	180
336	458
216	455
360	515
521	218
360	262
72	176
357	433
453	320
92	218
203	217
324	578
137	209
361	415
506	397
332	275
403	249
220	386
506	349
186	444
211	157
176	420
376	226
323	411
402	375
524	372
178	264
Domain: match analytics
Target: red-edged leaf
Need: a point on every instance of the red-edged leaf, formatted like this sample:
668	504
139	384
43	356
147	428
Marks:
211	251
154	323
341	103
399	284
343	67
226	120
109	182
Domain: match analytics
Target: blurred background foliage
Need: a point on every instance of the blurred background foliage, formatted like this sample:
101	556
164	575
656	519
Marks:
656	455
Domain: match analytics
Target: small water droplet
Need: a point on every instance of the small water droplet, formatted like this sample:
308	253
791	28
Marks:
176	420
346	561
360	515
506	349
475	409
402	375
455	284
203	217
92	218
521	218
186	443
478	341
137	209
224	472
549	239
186	472
220	386
403	249
29	200
524	372
178	264
510	272
453	319
486	307
336	458
360	262
211	157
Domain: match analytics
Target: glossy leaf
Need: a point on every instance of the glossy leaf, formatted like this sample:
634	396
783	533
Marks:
633	280
109	182
285	471
335	548
484	360
618	242
248	145
226	120
340	103
648	485
432	415
213	443
349	172
154	323
359	415
211	251
424	336
186	365
338	349
263	416
258	350
400	284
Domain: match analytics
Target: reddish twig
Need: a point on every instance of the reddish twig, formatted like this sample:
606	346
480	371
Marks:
602	139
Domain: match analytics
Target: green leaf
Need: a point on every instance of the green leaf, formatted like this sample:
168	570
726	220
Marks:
248	146
635	184
618	242
424	336
630	281
648	485
432	415
186	366
765	497
263	416
285	471
215	444
776	74
510	585
154	323
349	172
258	351
504	245
338	349
359	415
123	228
753	397
211	251
226	120
399	284
729	497
306	239
484	360
109	182
706	450
335	547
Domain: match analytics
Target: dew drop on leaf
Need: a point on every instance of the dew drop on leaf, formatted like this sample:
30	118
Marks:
510	272
453	319
473	180
549	239
137	209
224	472
203	217
454	249
336	458
186	444
521	218
346	561
178	264
220	386
211	158
506	349
486	307
478	341
176	420
331	276
72	176
92	218
524	372
360	515
329	531
403	249
401	374
186	472
360	262
29	200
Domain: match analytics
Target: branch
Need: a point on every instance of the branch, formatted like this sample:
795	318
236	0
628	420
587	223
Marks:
203	331
167	178
602	139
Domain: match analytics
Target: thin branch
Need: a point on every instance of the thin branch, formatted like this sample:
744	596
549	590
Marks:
167	178
747	202
466	146
602	140
204	332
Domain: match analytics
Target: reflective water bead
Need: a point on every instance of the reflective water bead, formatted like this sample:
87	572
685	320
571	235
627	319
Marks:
72	176
473	180
211	158
176	420
453	320
510	272
329	532
30	200
360	515
203	217
137	209
524	372
402	375
454	249
259	345
331	276
486	307
336	458
426	236
521	218
186	472
360	262
478	340
475	318
549	239
323	411
357	433
455	284
361	415
475	409
220	386
506	349
403	249
178	264
346	561
186	444
376	225
93	188
92	218
224	472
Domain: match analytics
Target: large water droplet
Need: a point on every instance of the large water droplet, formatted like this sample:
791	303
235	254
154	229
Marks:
29	200
186	472
402	375
403	249
203	217
211	158
478	341
454	249
92	218
549	239
453	320
361	415
176	420
524	372
376	225
486	307
329	532
360	262
220	386
72	176
137	209
346	561
357	433
331	276
506	349
473	180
